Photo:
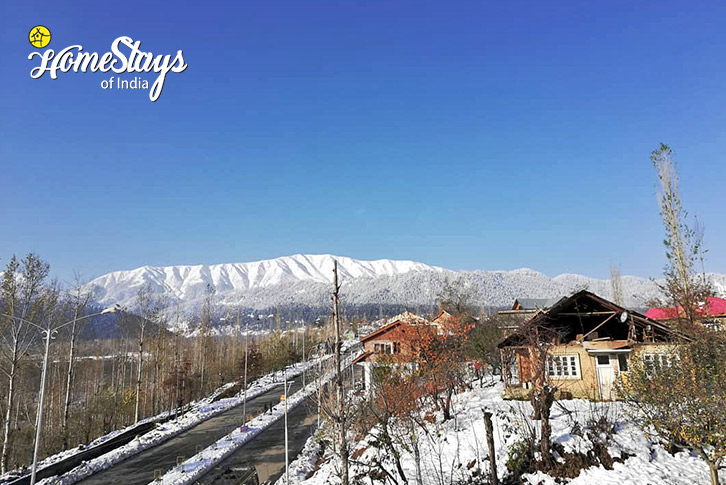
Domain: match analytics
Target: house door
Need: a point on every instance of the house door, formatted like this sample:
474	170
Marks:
605	375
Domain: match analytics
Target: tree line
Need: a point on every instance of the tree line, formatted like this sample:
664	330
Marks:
95	386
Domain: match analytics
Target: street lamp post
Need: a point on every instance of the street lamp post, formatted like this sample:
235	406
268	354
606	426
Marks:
287	461
303	355
244	399
48	331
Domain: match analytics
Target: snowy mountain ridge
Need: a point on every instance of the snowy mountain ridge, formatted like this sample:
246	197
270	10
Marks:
185	283
306	280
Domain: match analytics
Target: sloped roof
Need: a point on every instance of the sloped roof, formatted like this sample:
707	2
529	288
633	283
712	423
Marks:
445	315
533	303
407	318
583	313
714	307
362	357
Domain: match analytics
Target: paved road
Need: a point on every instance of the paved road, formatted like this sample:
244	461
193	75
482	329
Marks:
139	469
266	451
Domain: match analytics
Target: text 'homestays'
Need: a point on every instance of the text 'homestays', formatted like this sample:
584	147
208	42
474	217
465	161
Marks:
130	60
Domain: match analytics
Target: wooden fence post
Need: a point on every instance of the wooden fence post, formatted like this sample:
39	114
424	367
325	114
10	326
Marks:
490	444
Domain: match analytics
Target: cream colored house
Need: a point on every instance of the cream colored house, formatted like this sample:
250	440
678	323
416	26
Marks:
587	343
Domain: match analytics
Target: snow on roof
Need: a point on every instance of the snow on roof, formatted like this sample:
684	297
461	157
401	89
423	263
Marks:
534	303
405	317
408	317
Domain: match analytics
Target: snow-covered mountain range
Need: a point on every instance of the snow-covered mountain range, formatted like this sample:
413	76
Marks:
306	280
188	283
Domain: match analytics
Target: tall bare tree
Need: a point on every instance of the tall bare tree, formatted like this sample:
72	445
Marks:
159	316
203	336
77	300
341	414
144	304
683	243
23	300
616	285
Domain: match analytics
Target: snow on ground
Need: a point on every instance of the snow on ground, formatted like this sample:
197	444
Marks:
200	464
58	457
304	463
453	451
203	410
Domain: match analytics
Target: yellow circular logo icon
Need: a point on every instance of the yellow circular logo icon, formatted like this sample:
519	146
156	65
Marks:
39	36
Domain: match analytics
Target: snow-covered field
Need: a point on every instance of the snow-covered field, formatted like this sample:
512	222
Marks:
201	411
455	451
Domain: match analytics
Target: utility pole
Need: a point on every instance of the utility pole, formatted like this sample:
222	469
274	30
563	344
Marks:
244	398
287	460
320	386
238	332
339	380
303	355
39	415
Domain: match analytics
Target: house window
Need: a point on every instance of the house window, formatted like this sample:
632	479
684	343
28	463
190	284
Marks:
513	372
712	324
563	367
623	362
603	360
658	361
396	347
382	348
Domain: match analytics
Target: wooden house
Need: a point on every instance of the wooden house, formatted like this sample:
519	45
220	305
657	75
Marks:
589	342
389	340
446	317
522	311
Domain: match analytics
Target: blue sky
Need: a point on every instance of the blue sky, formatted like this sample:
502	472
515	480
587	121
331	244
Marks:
470	135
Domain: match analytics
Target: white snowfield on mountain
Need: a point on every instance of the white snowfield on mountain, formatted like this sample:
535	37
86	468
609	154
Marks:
189	282
307	279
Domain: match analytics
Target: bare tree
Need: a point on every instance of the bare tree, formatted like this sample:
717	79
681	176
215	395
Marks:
616	285
457	297
336	411
78	300
542	395
204	328
536	340
22	299
144	305
683	243
159	318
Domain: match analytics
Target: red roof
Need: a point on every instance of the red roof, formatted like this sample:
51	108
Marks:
714	307
406	318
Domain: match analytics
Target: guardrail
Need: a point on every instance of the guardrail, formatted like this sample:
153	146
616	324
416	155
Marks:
67	464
